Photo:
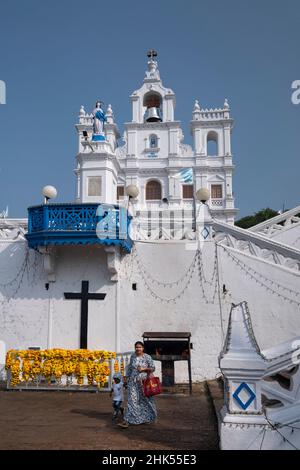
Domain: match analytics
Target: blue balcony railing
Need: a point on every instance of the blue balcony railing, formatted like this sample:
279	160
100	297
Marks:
78	224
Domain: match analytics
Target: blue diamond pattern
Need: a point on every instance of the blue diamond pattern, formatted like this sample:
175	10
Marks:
244	386
205	233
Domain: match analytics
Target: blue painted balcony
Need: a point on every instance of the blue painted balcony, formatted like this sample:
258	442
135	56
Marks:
78	224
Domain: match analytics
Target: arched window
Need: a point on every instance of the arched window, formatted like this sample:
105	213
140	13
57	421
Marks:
152	100
153	190
153	141
212	144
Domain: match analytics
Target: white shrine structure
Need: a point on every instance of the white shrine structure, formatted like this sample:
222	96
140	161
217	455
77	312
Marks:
144	252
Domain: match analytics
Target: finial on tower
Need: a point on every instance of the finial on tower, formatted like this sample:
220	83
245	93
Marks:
226	104
109	114
152	74
151	54
196	106
196	111
109	109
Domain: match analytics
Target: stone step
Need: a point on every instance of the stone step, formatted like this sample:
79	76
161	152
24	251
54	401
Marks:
184	388
215	389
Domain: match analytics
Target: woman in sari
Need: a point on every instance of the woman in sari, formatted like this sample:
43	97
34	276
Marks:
140	409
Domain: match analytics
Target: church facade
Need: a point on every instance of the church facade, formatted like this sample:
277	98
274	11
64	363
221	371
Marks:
154	157
157	258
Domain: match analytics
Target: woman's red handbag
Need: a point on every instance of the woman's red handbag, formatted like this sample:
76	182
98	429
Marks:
151	386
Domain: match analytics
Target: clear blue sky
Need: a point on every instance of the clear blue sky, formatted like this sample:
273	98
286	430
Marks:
57	55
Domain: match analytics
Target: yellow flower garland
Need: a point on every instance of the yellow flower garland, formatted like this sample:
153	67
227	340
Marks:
27	365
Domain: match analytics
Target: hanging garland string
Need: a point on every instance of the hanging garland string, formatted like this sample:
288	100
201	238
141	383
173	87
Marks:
249	272
128	264
262	276
206	281
168	299
10	324
20	271
197	262
164	283
203	281
274	426
219	294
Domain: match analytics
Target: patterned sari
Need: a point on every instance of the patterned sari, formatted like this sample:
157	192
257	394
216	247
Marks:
140	409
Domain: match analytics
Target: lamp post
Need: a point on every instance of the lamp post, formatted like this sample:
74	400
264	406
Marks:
49	192
204	218
132	192
203	195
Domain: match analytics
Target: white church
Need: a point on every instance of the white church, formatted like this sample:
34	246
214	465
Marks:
149	250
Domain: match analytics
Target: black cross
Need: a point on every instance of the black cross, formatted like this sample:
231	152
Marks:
151	54
84	296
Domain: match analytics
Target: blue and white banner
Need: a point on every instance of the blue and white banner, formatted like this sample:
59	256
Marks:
185	175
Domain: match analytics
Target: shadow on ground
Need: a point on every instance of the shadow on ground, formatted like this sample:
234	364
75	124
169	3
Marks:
64	420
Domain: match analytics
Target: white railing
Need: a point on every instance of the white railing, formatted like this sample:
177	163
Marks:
86	120
262	389
233	237
2	372
166	224
122	361
216	202
279	222
213	114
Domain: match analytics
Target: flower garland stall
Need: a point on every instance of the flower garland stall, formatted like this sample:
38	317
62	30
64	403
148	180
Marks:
59	369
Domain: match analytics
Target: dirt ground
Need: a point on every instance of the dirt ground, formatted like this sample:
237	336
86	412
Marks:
79	420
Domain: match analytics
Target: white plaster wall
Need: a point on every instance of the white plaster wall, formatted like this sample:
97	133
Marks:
73	265
142	312
247	437
274	319
105	168
23	298
143	141
25	318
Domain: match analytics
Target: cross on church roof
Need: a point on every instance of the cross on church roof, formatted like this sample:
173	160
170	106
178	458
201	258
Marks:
151	54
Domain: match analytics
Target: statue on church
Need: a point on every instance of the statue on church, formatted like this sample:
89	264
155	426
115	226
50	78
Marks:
99	120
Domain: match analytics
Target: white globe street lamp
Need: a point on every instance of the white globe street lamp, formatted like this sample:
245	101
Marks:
49	192
203	195
132	191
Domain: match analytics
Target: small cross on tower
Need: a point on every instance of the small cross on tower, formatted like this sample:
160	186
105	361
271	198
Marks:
152	54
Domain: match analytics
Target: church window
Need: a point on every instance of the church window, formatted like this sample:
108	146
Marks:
153	190
120	192
94	186
216	191
212	144
187	191
153	141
